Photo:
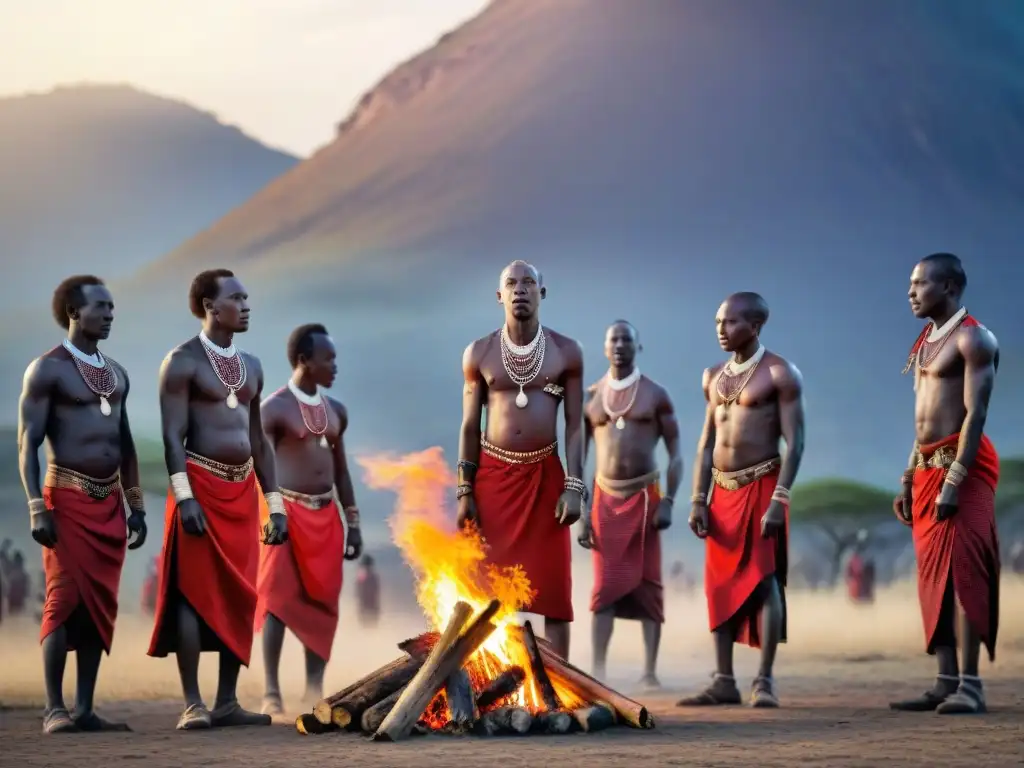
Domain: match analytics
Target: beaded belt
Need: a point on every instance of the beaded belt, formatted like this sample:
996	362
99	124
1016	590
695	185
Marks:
733	481
59	477
623	489
309	501
517	457
232	473
940	458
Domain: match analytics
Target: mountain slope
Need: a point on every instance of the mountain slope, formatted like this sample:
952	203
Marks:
650	158
108	178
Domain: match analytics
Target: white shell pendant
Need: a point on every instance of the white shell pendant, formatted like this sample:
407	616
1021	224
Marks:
620	423
323	442
104	406
232	400
521	399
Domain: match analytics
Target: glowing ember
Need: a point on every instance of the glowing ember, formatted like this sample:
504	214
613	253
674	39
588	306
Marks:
450	566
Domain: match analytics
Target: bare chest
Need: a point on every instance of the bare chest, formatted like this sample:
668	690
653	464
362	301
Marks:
633	405
756	390
216	384
939	360
497	378
298	422
85	387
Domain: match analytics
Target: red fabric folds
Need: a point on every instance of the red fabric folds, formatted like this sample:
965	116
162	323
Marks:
627	555
966	545
516	503
738	558
84	569
300	581
215	572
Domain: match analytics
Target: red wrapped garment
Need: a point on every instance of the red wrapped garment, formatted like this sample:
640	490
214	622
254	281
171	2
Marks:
215	572
627	553
300	581
516	504
738	558
966	545
84	568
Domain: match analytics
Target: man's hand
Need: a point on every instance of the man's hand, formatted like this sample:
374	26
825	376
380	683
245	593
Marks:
467	512
774	521
699	520
586	536
275	532
354	545
947	502
137	528
663	518
569	508
44	532
192	518
903	505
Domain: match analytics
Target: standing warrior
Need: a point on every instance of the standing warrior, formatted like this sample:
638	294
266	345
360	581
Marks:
949	487
206	600
74	398
299	583
520	496
754	399
627	415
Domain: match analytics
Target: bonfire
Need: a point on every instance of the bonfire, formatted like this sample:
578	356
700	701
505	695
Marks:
477	670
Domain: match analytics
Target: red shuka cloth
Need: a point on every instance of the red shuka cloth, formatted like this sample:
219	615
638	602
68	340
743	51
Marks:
215	572
300	581
627	555
738	558
516	503
84	568
965	545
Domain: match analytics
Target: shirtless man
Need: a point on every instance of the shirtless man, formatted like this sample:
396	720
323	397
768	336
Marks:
74	398
511	481
627	415
299	583
209	400
754	399
949	486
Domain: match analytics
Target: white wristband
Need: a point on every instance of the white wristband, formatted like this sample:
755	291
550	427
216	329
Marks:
181	487
275	503
36	506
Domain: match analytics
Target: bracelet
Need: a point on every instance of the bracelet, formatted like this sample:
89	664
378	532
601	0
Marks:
133	496
463	489
576	485
37	506
275	503
180	487
908	477
351	513
467	472
699	498
956	474
670	499
781	495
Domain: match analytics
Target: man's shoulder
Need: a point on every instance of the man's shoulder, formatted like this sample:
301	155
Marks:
654	387
48	365
567	345
276	397
477	349
336	405
976	342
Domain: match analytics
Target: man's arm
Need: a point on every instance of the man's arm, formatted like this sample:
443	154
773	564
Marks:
262	450
669	427
342	478
129	456
573	405
34	412
175	377
705	445
474	393
790	387
588	427
980	352
268	416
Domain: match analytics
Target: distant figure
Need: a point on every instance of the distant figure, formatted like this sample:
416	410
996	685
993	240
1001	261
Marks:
18	585
150	586
860	573
1017	558
299	583
521	497
628	415
368	593
5	563
949	486
755	399
73	399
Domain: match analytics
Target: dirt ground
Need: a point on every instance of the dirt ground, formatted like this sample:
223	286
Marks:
837	674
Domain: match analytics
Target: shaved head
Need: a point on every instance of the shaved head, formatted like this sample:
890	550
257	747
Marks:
751	305
520	266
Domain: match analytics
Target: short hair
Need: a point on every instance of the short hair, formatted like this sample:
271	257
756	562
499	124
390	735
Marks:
520	263
620	321
71	293
301	341
949	267
755	308
205	285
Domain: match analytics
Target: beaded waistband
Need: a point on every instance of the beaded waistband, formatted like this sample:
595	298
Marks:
309	500
623	489
59	477
232	473
517	457
940	458
733	481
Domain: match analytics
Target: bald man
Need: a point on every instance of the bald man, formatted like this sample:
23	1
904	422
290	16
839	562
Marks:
512	485
754	400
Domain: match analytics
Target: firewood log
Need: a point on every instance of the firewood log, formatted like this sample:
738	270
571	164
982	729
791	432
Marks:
461	702
503	721
589	689
505	684
547	690
322	709
308	725
595	718
348	711
553	722
419	647
374	716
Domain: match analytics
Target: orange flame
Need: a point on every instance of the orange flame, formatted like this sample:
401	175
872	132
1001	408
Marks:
450	565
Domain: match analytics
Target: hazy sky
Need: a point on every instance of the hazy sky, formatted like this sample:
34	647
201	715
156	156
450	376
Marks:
286	71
